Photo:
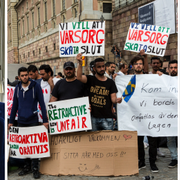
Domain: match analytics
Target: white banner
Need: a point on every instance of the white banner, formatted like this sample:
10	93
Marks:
152	109
69	116
29	142
153	39
81	37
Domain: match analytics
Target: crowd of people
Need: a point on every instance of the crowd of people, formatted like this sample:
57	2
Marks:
101	89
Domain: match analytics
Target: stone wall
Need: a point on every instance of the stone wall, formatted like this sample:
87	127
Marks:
121	19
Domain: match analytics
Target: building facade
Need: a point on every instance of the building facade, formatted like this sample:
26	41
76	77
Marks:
33	28
126	11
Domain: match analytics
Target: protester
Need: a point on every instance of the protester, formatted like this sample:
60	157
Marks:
138	66
102	95
14	83
60	76
34	74
171	141
123	69
110	68
26	96
69	87
116	51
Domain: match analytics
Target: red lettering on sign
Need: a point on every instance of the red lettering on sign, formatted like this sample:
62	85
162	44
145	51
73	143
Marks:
158	37
92	33
76	35
141	32
83	122
146	34
78	121
100	41
164	42
73	125
71	36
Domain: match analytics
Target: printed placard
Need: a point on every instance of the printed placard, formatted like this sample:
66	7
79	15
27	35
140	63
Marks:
69	116
29	142
153	39
82	37
153	108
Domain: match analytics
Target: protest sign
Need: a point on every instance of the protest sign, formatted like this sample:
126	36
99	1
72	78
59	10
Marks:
69	115
82	37
10	95
152	109
105	153
29	142
153	39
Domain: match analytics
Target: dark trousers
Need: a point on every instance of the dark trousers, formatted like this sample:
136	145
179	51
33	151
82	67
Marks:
152	149
35	162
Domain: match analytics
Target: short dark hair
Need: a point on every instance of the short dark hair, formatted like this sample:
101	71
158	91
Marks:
107	64
22	69
172	62
60	74
155	58
98	60
137	58
122	65
46	68
16	77
32	68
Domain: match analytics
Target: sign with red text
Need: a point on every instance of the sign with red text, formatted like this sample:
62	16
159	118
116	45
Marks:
69	115
153	39
10	95
29	142
82	37
153	108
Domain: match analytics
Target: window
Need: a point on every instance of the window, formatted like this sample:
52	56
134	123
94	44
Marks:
54	9
33	20
33	53
75	1
75	13
54	46
27	24
27	4
63	4
39	50
46	49
64	19
19	32
28	54
9	33
24	56
23	26
45	8
107	7
39	16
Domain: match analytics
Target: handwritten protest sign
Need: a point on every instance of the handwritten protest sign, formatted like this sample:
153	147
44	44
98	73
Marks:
10	95
69	115
105	153
29	142
153	39
152	109
82	37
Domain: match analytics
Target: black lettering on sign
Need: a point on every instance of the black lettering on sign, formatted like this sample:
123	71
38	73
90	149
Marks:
149	90
14	130
158	126
13	153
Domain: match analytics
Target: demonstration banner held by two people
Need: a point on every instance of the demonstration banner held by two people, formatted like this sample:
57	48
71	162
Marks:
153	39
69	116
152	108
29	142
82	37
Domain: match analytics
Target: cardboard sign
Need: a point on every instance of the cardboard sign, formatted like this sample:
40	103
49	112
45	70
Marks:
152	109
29	142
10	95
81	37
153	39
69	116
105	153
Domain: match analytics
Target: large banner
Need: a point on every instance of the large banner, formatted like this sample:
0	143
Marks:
153	39
69	116
10	95
82	37
29	142
152	109
104	153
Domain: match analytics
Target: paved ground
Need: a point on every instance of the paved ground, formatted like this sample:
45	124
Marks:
165	173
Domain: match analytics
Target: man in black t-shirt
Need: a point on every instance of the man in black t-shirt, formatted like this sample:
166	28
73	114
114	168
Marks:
102	94
69	87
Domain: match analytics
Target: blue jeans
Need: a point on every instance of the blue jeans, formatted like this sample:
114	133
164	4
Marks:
101	123
171	144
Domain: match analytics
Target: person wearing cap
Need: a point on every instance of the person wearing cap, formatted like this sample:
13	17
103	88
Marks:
69	87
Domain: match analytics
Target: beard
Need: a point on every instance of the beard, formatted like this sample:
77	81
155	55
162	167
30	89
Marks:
25	82
101	73
70	76
138	71
173	73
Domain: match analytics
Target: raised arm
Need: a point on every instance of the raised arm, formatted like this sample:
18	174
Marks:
80	77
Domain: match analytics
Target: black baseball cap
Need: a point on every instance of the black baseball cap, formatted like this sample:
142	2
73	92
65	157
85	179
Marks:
69	64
